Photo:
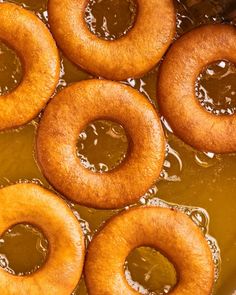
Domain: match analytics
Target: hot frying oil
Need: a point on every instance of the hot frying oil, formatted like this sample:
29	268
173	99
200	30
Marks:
188	178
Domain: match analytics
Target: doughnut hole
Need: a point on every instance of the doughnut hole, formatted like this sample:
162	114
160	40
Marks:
102	146
216	88
149	272
23	249
110	19
11	71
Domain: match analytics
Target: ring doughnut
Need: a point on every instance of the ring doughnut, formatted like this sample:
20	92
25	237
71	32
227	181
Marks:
176	88
69	113
30	203
170	232
132	55
30	38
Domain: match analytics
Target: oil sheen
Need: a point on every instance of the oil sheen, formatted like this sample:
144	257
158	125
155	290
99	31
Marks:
189	178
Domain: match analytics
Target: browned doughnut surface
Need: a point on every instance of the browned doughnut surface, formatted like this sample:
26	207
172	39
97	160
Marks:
30	38
170	232
176	88
29	203
69	113
130	56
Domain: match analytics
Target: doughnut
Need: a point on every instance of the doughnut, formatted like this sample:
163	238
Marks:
31	40
170	232
69	112
132	55
32	204
186	59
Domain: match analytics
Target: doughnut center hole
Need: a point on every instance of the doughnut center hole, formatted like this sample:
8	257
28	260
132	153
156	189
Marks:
110	19
102	146
216	88
149	272
10	69
23	249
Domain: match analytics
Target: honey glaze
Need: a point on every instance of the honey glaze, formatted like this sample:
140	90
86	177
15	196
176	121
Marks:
189	178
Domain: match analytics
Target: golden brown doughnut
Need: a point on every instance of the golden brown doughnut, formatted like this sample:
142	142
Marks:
170	232
176	88
30	203
30	38
129	56
69	113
